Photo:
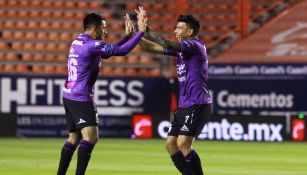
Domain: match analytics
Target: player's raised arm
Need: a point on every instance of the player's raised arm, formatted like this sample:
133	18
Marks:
142	19
129	31
129	26
128	46
107	50
156	37
151	46
145	44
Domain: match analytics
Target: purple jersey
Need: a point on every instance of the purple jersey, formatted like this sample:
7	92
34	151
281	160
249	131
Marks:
192	70
84	62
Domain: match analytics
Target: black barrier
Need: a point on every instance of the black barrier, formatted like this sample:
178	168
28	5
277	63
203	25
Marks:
37	102
55	126
8	125
239	128
218	127
114	126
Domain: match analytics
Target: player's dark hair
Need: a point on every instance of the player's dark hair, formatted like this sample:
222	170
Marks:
92	19
191	21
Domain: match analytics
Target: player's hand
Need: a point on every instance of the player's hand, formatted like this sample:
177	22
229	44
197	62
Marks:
142	19
129	26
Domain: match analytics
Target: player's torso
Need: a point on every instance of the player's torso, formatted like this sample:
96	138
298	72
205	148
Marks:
83	70
192	71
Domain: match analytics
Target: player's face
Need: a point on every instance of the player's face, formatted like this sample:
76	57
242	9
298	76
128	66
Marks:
183	31
101	32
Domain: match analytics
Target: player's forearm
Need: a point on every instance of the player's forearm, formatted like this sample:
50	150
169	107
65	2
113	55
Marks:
144	46
128	46
153	49
154	36
122	40
151	46
172	45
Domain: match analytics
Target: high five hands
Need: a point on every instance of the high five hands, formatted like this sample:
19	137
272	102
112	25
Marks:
142	19
129	26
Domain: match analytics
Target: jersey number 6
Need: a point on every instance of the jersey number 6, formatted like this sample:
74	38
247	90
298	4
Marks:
72	69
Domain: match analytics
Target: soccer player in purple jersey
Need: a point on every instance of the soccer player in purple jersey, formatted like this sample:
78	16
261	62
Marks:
195	102
83	68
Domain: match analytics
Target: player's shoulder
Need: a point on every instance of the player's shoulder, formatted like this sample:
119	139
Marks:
197	41
82	40
96	43
194	45
194	41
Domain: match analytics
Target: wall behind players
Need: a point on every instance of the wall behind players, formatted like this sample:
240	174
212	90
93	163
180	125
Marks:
36	101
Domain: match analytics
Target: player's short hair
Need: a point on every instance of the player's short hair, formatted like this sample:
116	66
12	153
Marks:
191	21
92	19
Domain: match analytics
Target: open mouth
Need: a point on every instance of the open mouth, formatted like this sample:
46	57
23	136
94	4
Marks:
178	37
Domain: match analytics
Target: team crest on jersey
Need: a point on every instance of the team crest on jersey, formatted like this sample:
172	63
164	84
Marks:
104	48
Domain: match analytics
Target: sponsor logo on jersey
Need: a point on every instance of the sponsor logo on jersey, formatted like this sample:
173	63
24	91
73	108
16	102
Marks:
72	50
77	42
73	55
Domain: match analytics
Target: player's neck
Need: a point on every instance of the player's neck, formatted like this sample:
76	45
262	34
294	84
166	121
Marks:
91	33
189	38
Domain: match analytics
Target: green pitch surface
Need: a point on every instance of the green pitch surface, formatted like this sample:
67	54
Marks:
142	157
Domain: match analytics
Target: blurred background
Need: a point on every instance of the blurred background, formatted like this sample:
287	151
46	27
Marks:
257	68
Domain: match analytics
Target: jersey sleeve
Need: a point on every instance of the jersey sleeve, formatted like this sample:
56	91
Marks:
170	52
101	48
189	46
106	50
122	41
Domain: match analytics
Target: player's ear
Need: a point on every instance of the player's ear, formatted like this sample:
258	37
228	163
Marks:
95	28
191	32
